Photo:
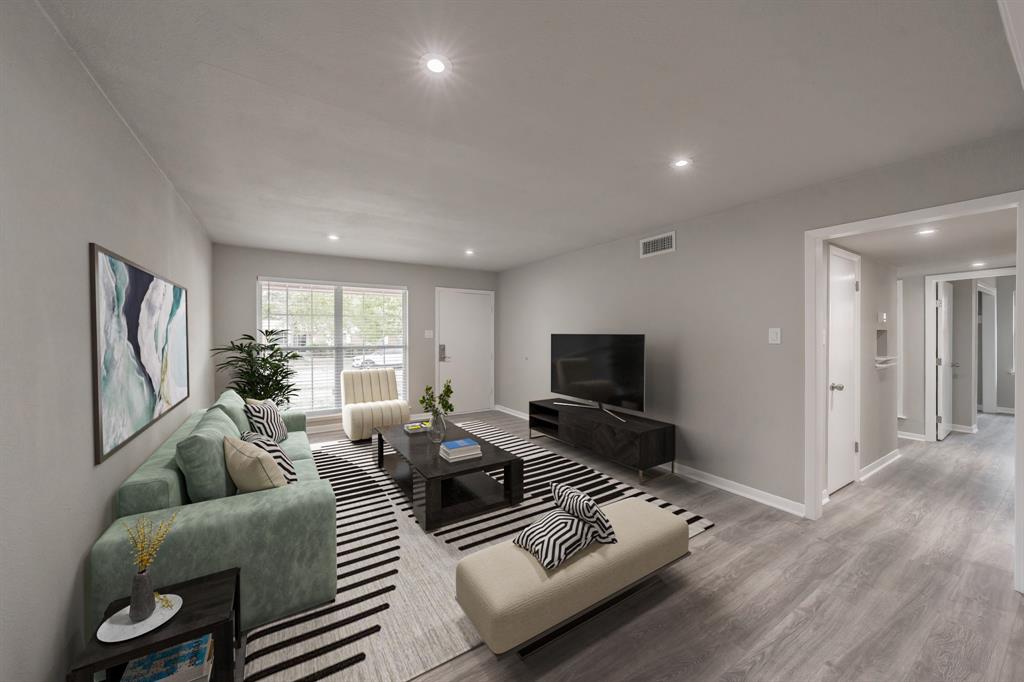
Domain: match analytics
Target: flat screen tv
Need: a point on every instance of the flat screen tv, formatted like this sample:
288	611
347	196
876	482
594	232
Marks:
605	368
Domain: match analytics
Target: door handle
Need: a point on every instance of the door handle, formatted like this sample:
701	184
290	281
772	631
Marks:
954	364
836	387
442	353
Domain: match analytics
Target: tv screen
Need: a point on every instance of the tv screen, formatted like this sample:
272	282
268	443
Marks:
605	368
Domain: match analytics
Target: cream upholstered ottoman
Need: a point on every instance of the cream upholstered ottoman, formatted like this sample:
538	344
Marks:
370	398
511	599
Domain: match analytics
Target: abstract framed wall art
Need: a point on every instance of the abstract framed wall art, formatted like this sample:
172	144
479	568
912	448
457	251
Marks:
140	348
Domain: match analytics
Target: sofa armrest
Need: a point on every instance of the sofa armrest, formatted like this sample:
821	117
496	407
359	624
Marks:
282	539
294	420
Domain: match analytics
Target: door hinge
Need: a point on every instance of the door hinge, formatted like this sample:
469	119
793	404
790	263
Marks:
938	419
938	362
856	446
856	286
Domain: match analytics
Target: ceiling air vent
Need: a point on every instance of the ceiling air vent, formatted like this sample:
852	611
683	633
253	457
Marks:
653	246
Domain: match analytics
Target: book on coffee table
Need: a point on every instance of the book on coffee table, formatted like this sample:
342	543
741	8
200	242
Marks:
458	450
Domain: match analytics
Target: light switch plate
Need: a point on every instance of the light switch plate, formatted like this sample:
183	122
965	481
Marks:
774	335
428	333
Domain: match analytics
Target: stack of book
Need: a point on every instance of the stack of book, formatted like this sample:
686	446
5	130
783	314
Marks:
458	450
185	662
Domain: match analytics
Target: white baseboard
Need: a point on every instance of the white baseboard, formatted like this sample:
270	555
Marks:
959	428
906	435
509	410
742	490
323	423
1003	410
879	464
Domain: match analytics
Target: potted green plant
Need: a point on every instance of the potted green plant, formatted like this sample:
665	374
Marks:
438	406
261	370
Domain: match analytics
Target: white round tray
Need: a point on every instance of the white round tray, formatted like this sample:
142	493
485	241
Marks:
119	627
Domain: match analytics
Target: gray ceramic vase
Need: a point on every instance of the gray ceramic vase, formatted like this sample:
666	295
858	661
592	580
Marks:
143	602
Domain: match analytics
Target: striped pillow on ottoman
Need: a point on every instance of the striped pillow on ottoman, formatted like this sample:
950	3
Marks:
555	537
265	419
273	449
583	507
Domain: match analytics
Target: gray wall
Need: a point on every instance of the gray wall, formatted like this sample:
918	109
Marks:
1004	345
877	386
913	355
738	402
71	173
235	295
965	352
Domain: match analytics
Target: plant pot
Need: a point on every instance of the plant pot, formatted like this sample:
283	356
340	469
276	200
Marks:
438	426
143	602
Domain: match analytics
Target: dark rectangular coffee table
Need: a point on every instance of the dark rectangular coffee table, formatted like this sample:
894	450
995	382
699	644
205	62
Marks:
443	492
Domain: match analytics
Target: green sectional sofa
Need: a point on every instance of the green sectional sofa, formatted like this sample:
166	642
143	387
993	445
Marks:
282	539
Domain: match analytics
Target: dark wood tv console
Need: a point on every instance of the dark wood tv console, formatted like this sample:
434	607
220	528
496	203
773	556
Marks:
638	443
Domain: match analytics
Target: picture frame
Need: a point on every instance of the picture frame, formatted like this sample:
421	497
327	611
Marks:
140	355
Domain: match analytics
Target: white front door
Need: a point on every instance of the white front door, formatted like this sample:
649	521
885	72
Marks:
843	346
944	360
465	347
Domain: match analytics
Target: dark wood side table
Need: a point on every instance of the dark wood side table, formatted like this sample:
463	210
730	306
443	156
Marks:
210	605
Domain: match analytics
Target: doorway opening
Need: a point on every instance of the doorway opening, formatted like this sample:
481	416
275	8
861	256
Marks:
884	337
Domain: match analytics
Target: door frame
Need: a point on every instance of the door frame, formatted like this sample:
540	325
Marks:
931	408
437	340
815	328
856	258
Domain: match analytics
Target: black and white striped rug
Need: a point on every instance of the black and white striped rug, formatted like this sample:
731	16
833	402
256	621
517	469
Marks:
394	615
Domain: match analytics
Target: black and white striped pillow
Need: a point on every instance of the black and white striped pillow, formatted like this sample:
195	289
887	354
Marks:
274	450
266	420
555	537
583	507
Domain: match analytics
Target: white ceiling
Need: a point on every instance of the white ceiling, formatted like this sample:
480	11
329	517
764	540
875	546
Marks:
956	243
281	122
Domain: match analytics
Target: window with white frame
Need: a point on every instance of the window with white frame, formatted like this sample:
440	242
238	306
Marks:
334	327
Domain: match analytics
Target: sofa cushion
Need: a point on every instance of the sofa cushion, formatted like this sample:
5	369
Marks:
200	457
274	450
296	446
585	508
233	406
158	482
265	419
555	537
305	469
250	467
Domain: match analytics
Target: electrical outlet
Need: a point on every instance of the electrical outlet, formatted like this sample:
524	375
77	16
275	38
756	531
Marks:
428	333
774	335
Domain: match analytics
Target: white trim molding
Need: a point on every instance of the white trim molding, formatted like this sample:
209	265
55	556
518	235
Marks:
907	435
878	465
514	413
960	428
740	489
1004	410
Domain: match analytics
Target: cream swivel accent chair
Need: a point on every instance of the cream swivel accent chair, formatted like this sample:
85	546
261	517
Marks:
370	398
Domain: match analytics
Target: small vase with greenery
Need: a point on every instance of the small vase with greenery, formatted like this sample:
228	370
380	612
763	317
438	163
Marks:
261	370
145	540
437	406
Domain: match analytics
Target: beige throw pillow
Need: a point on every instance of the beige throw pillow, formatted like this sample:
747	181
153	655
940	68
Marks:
251	467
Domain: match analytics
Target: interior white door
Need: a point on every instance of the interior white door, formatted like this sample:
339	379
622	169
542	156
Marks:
944	360
465	347
843	346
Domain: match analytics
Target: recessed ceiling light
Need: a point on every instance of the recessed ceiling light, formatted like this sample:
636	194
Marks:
681	163
435	63
927	230
333	237
978	264
470	252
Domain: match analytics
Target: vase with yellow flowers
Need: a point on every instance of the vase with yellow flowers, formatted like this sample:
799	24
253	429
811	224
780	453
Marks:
145	540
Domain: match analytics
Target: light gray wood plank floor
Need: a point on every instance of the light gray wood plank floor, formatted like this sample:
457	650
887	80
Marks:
908	576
